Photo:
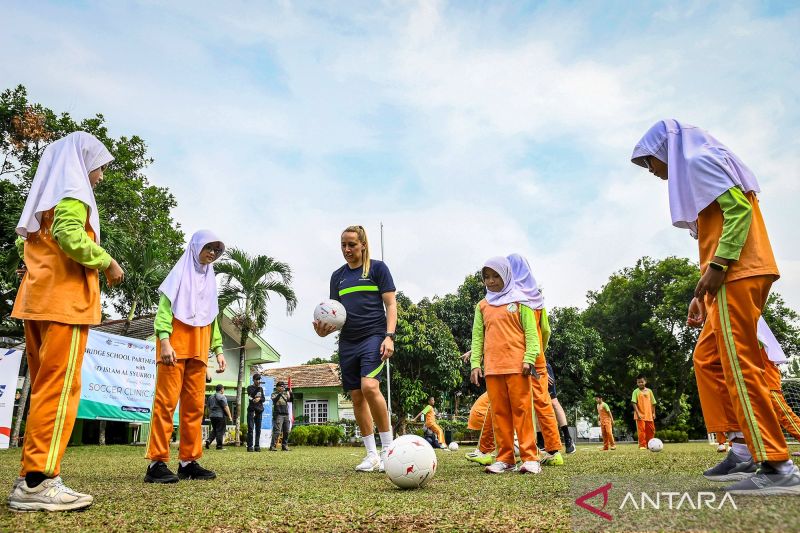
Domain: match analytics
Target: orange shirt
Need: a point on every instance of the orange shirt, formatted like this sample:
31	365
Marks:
56	288
756	258
604	413
430	416
645	400
504	338
189	342
478	412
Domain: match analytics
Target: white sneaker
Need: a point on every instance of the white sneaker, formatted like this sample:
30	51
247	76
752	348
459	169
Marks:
499	468
16	484
382	465
371	463
530	467
722	448
50	495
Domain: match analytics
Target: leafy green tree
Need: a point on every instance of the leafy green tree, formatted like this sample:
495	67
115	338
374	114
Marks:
248	283
131	210
574	351
321	360
426	360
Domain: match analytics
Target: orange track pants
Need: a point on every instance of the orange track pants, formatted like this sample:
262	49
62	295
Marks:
543	406
185	380
510	396
480	417
608	435
730	370
55	354
646	430
439	432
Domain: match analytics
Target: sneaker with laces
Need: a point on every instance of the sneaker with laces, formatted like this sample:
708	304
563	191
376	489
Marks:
499	467
530	467
382	464
551	459
49	495
370	463
732	468
194	471
16	484
159	473
474	453
479	457
722	448
768	482
570	447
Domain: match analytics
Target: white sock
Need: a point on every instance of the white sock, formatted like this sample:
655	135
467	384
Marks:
369	444
184	463
386	438
730	435
782	467
741	451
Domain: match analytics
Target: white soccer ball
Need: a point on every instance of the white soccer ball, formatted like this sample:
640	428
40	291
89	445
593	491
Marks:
655	445
331	312
453	446
410	462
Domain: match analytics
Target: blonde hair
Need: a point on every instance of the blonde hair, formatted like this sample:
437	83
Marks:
361	233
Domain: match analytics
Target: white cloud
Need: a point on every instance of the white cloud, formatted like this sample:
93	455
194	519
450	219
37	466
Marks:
510	131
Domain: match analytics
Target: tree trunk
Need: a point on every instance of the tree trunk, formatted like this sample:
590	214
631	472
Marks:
23	400
239	382
102	438
129	319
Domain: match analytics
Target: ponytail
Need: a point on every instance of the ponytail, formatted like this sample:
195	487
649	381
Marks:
362	237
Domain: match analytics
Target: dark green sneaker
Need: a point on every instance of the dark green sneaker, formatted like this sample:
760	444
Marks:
768	482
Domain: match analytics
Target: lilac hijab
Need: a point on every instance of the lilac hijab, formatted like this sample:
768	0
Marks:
525	282
700	168
192	287
510	293
765	336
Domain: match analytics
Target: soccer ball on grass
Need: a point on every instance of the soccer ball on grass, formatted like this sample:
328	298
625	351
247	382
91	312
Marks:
410	462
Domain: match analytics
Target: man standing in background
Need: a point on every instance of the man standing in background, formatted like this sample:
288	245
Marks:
281	400
255	408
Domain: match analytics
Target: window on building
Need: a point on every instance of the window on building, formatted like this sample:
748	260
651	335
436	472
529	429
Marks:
315	411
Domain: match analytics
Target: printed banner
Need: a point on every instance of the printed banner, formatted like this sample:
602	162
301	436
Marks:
9	371
265	438
118	378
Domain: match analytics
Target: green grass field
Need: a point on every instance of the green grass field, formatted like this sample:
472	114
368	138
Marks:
310	489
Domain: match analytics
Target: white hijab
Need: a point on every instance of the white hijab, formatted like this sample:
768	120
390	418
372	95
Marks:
192	287
700	168
63	172
771	346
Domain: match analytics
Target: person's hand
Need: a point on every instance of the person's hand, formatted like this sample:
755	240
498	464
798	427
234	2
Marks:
167	353
710	283
322	329
529	370
114	273
466	356
475	376
222	364
697	313
387	348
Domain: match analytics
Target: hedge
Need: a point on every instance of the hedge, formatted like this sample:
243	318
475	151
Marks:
316	435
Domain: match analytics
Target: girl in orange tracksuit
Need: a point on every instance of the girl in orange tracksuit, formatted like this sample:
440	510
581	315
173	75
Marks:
186	326
712	193
506	335
58	299
429	412
773	355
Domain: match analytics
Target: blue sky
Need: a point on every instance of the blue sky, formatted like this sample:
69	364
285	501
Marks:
469	129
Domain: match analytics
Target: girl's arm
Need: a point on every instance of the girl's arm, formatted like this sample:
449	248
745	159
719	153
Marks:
477	346
216	347
163	326
527	317
390	304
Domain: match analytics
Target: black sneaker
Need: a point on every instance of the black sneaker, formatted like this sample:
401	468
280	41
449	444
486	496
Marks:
285	448
194	471
249	449
257	449
768	482
220	447
273	449
159	473
731	469
570	447
208	443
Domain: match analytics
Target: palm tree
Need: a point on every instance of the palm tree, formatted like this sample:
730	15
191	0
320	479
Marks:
248	283
145	270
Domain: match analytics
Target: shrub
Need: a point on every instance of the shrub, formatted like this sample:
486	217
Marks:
299	435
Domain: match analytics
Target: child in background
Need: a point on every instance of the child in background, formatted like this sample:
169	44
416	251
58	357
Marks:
58	299
480	419
606	423
542	402
773	355
186	325
644	411
430	421
505	335
722	442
